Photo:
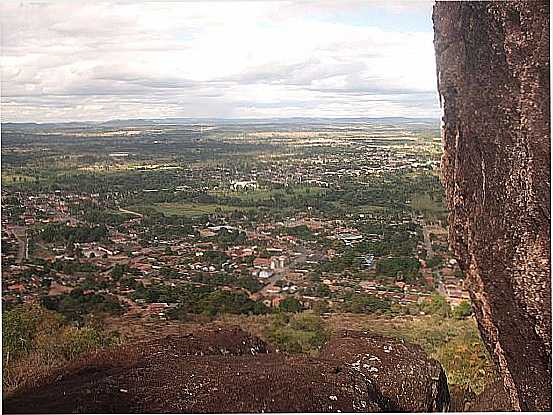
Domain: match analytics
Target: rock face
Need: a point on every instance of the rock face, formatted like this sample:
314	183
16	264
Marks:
400	372
493	78
215	371
493	399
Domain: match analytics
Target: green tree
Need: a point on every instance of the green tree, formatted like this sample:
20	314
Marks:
290	305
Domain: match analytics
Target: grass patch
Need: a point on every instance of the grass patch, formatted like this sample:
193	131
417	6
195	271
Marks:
36	341
16	178
424	203
265	194
249	195
183	209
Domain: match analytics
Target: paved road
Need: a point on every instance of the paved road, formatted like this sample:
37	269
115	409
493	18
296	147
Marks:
131	212
21	236
427	242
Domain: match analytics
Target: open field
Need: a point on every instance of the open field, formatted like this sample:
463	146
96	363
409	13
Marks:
183	209
431	208
265	194
15	178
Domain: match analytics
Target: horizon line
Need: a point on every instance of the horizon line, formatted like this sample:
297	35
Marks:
437	118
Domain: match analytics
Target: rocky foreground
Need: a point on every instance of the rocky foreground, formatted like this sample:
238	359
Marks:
228	370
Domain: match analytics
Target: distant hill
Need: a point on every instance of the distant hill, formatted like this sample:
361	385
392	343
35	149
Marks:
427	122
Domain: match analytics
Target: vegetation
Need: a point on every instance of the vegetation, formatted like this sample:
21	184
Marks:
437	306
290	305
76	305
435	262
393	266
200	300
298	333
161	199
456	344
35	340
55	232
365	304
182	209
462	311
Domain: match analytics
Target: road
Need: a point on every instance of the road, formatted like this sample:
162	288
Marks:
427	242
23	250
131	212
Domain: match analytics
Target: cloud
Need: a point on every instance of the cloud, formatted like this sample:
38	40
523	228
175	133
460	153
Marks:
96	61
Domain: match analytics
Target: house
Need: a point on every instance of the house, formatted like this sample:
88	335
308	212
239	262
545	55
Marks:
273	302
277	262
244	185
157	309
262	262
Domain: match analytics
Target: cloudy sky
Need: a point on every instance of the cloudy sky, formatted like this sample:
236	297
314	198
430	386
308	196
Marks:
64	61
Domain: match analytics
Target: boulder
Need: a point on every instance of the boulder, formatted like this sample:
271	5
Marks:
406	379
228	370
493	398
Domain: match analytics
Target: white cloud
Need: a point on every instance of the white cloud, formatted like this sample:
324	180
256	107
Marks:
97	61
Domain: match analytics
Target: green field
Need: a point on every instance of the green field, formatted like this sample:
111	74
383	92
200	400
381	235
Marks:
265	194
16	178
250	195
182	209
425	204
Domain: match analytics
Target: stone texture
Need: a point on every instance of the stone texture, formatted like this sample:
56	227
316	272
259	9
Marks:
493	78
493	398
406	379
228	371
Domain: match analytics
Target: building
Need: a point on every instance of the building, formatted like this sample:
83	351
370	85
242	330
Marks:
244	185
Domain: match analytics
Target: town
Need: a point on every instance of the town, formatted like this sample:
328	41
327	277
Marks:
171	221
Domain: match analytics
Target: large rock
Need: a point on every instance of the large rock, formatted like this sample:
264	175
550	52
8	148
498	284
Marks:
215	371
405	378
493	79
493	398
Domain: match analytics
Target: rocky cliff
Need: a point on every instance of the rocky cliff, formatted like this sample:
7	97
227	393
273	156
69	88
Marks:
493	79
227	370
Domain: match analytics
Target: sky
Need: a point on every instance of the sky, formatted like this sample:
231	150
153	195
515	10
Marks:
96	61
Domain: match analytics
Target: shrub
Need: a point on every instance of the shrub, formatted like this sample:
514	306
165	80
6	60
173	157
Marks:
462	311
20	327
437	305
365	303
435	262
466	361
391	266
299	333
75	342
36	341
291	305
